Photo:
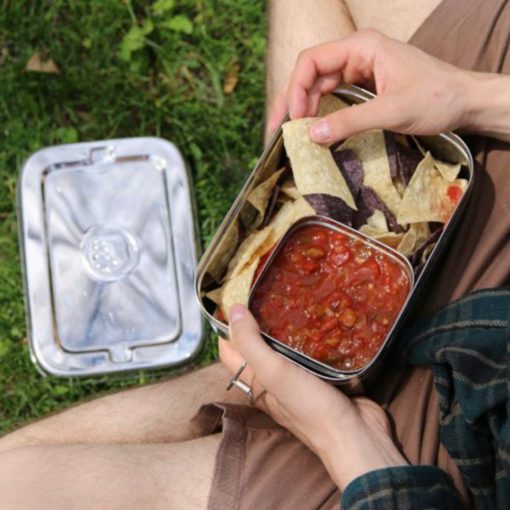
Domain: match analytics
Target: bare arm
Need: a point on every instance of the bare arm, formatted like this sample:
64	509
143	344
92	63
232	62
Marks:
488	106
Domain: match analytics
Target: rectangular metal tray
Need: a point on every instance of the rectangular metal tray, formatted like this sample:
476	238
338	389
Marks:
445	146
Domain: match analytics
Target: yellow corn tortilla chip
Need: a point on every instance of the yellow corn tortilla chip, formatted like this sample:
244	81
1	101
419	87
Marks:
330	104
390	239
289	189
447	170
244	264
369	230
259	198
427	251
313	166
370	149
224	252
253	247
378	221
289	213
215	295
259	242
425	198
416	235
237	290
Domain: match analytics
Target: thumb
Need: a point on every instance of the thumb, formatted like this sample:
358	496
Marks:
376	113
245	335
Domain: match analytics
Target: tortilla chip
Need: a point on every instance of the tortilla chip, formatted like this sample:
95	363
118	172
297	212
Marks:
271	206
351	168
259	198
288	215
224	252
313	166
408	160
447	170
418	256
426	197
368	202
390	239
391	151
370	149
253	247
330	104
237	289
215	295
414	237
369	231
260	241
373	230
378	221
289	188
332	207
426	252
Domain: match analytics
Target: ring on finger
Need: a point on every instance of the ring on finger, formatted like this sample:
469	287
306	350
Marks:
244	387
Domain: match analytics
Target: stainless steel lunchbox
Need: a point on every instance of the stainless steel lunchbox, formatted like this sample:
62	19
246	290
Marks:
446	146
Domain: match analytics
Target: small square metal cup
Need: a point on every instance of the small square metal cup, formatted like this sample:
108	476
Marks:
299	357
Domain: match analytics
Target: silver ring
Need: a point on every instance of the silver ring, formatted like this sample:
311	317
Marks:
245	388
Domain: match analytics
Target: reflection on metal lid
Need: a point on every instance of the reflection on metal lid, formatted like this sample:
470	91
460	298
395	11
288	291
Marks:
108	239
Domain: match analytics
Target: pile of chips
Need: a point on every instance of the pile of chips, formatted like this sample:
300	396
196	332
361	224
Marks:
383	184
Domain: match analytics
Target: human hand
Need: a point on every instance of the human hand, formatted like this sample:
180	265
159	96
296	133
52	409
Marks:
416	93
351	436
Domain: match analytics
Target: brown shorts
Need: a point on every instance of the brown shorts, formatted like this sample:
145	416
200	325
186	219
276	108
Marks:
262	466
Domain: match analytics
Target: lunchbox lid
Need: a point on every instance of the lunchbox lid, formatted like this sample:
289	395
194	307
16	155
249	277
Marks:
109	250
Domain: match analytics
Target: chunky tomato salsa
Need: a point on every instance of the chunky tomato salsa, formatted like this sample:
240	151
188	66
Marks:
330	296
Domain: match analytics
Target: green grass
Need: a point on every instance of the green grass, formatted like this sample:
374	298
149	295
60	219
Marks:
126	69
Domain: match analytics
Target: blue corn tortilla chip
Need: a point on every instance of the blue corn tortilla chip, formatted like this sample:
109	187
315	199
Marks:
408	159
402	159
330	206
415	258
391	151
367	203
351	168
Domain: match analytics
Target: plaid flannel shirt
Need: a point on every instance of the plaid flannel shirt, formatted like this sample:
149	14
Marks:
467	345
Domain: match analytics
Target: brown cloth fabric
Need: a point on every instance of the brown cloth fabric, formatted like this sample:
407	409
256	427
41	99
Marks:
262	466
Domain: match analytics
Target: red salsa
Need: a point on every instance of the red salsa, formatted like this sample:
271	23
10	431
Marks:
330	296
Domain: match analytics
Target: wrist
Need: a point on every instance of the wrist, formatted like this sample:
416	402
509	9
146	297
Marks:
347	456
487	105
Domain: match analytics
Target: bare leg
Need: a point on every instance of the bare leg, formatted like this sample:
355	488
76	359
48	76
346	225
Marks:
158	413
176	476
296	25
395	18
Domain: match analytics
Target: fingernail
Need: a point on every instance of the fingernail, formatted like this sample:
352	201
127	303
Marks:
320	131
236	313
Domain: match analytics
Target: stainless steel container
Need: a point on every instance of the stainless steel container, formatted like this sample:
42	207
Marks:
299	357
446	146
109	250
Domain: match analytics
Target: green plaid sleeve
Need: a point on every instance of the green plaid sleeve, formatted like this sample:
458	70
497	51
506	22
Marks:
405	487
